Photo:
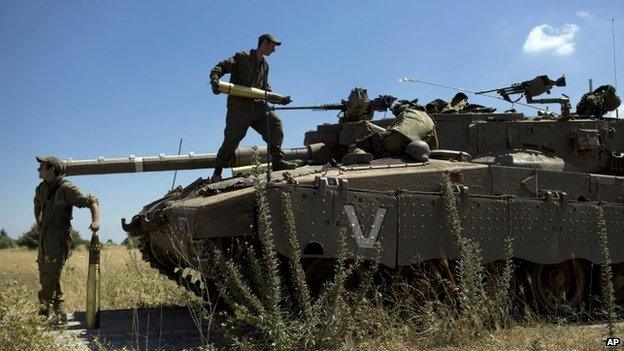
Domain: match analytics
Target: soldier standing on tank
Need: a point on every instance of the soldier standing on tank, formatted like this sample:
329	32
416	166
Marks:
250	69
54	198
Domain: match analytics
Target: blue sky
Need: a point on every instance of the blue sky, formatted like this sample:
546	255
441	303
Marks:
83	79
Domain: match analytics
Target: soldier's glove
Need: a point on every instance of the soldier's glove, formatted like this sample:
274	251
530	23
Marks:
285	100
215	86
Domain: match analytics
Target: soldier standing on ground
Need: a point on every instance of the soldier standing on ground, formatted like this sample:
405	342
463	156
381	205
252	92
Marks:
54	198
250	69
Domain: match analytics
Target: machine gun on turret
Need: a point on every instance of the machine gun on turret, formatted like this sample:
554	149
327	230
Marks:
534	87
357	107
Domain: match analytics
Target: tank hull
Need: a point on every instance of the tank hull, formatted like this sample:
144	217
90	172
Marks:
551	217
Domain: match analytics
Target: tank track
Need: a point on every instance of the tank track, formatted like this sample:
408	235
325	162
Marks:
185	277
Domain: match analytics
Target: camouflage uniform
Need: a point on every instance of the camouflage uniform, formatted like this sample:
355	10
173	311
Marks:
55	202
247	69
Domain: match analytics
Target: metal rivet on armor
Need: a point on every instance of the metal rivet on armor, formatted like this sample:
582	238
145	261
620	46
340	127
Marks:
337	223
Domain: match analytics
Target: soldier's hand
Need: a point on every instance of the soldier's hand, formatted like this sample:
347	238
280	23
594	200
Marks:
215	86
285	100
95	226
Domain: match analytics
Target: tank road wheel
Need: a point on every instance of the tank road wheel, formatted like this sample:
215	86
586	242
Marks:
317	272
435	279
559	286
618	281
493	274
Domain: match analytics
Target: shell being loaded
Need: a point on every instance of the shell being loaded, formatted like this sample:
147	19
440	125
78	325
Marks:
249	92
535	180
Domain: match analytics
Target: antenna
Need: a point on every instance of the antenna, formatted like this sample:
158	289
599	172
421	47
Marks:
614	65
175	174
414	80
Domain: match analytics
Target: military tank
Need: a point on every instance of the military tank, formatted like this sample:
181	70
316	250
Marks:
540	180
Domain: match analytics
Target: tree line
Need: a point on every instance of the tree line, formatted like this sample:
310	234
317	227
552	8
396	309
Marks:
30	239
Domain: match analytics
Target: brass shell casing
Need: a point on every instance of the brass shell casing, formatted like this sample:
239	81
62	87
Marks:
248	92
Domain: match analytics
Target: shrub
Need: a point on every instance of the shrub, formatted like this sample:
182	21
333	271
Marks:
20	327
77	240
30	239
5	240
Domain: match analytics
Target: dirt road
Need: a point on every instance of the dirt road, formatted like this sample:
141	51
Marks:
164	328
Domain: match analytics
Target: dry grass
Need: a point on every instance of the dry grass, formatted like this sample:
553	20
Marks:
127	281
530	337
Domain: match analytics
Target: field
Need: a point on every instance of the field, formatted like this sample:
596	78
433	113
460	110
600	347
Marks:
128	283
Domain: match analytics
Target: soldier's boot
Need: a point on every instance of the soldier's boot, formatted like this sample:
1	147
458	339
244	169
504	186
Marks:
216	175
280	165
44	310
357	155
60	313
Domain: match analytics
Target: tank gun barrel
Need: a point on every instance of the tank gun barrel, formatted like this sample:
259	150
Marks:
132	164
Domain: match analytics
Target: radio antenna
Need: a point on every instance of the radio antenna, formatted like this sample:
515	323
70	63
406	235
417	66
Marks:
175	174
614	65
436	84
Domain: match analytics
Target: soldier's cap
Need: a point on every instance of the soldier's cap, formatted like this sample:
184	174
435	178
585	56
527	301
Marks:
52	161
270	38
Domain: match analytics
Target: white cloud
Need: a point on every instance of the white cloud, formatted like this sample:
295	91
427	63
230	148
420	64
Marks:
584	14
545	38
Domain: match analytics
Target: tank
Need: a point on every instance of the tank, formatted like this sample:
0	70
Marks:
541	180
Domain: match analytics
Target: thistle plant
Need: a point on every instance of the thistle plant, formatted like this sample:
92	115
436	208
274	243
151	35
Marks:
608	292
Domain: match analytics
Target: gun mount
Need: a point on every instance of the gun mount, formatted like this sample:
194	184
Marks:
532	88
357	107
